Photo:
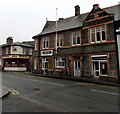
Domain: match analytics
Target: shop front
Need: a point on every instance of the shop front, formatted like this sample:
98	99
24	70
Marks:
15	63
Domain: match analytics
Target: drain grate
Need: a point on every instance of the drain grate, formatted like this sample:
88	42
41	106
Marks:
36	89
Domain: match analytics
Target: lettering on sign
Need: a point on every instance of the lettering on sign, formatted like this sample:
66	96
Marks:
15	56
47	53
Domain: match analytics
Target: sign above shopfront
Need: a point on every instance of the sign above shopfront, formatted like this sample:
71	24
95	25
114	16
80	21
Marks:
16	56
47	53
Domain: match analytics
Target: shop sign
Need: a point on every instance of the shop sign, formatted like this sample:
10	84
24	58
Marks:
47	53
16	56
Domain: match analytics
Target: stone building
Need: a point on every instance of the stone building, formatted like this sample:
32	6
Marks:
81	45
16	56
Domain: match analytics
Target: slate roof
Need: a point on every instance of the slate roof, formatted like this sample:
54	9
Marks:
75	21
17	44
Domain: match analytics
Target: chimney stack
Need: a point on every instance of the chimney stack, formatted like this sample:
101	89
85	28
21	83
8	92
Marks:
9	40
95	6
77	10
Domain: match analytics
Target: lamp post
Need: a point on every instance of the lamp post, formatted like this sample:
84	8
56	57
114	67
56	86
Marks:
117	30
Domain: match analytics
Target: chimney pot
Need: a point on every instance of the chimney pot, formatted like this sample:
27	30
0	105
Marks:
9	40
61	18
77	10
95	6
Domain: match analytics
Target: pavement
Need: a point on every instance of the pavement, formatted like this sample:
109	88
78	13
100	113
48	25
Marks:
106	81
4	92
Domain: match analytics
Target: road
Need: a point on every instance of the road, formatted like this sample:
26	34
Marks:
38	94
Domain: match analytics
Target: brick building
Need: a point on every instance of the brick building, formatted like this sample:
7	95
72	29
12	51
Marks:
81	45
16	56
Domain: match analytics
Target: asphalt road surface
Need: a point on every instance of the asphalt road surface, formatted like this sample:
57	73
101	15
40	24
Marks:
38	94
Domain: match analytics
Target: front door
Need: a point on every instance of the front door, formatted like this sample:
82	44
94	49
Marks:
76	68
45	66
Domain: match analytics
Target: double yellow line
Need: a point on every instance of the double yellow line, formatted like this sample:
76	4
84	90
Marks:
12	91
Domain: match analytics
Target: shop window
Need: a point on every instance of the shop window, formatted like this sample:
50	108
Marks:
14	62
60	62
98	34
7	62
76	38
22	63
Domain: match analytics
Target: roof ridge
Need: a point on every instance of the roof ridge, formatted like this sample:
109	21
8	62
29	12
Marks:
111	6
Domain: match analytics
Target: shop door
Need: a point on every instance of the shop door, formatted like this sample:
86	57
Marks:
99	68
76	68
45	66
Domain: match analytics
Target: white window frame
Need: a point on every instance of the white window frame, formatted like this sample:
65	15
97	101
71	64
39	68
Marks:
75	35
7	50
30	51
99	62
60	38
45	43
43	63
35	64
57	61
95	33
36	44
91	32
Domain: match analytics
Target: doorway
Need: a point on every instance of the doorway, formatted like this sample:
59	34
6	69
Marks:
99	67
77	68
45	66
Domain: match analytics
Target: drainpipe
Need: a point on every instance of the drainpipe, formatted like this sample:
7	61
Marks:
38	55
56	31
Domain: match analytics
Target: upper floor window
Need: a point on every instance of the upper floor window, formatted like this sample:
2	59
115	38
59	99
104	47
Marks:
7	50
98	34
59	40
76	38
36	44
30	51
45	43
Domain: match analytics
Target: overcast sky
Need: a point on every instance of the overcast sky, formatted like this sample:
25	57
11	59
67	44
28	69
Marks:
22	19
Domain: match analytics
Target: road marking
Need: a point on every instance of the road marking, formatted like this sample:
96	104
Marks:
38	77
111	87
104	92
51	83
12	91
42	104
84	83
